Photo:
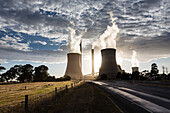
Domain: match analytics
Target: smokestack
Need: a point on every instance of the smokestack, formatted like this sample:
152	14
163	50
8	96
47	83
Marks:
109	65
81	54
135	69
74	66
92	53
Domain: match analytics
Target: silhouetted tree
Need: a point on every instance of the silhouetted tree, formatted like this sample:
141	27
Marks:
126	76
66	77
1	69
41	73
169	76
144	75
119	75
50	79
154	71
135	75
25	73
10	74
22	72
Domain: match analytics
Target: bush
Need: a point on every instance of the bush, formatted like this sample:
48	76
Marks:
65	78
50	79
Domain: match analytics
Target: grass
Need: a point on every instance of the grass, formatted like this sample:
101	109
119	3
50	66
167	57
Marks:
12	94
86	98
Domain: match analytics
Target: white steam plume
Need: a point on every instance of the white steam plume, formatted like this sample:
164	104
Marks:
119	58
74	41
135	62
108	38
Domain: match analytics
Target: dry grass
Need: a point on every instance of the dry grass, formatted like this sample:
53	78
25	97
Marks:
12	94
87	98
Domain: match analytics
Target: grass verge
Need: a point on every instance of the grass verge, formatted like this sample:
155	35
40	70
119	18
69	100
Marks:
86	98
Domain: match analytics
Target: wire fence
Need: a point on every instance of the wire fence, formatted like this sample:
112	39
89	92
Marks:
35	102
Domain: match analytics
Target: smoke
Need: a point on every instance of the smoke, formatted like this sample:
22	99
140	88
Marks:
108	38
119	58
135	62
74	42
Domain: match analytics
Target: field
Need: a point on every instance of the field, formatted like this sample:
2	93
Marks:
12	94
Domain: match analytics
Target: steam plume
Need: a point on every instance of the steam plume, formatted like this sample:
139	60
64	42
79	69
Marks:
108	38
135	62
74	42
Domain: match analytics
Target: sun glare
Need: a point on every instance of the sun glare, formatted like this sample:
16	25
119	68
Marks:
97	62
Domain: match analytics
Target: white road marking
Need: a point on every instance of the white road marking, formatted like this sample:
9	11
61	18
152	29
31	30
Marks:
148	95
139	101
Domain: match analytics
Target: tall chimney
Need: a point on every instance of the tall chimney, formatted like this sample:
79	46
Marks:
81	54
74	66
92	53
109	65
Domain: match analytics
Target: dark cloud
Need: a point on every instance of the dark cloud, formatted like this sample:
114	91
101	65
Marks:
34	56
144	25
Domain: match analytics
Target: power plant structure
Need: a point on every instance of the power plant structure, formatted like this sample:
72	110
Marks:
109	65
92	53
135	69
74	66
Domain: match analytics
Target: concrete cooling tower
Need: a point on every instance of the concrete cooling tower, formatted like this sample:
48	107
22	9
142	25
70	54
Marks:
135	69
109	65
74	66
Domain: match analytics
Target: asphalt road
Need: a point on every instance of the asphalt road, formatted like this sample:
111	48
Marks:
137	98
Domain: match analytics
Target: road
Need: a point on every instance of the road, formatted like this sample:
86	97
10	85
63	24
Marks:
137	98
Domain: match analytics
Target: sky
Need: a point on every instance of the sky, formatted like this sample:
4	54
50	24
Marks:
38	31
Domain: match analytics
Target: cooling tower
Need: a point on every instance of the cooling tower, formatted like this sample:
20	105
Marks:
74	66
109	65
92	53
135	69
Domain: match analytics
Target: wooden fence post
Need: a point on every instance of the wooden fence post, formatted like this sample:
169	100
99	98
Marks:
60	89
55	90
66	87
71	85
26	102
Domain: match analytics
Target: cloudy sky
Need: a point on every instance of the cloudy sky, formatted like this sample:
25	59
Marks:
37	31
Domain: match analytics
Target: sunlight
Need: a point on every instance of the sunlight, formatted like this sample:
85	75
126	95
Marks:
97	62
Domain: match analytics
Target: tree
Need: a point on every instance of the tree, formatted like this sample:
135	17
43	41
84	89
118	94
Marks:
144	74
66	77
1	69
26	73
41	73
126	76
119	75
9	75
154	71
22	72
50	79
135	75
169	76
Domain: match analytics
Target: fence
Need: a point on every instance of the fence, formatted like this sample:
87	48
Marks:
30	104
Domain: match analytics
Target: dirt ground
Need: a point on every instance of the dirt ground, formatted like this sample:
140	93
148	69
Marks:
86	98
